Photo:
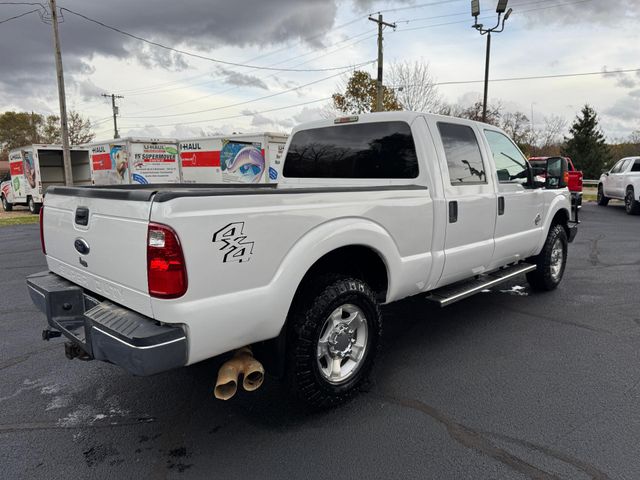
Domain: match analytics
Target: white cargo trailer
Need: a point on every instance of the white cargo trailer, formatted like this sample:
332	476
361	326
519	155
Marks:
134	160
239	158
34	168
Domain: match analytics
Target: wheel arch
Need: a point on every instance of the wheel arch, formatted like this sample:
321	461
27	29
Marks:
364	249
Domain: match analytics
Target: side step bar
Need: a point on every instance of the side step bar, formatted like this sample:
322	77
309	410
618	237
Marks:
449	294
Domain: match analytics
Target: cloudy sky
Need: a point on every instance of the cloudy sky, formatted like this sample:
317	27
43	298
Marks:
171	94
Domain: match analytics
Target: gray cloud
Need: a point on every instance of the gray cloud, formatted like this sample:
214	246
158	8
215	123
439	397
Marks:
262	121
26	52
241	79
609	13
624	80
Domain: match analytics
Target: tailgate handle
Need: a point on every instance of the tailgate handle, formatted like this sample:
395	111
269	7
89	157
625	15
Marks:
82	216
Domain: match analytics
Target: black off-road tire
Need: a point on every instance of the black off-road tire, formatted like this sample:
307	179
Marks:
34	207
542	279
602	200
305	324
631	205
6	206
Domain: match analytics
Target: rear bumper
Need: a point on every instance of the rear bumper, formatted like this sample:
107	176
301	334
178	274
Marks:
106	331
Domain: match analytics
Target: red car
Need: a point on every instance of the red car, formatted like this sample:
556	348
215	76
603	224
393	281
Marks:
574	180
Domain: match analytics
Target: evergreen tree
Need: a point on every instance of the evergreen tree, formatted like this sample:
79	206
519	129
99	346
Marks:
586	144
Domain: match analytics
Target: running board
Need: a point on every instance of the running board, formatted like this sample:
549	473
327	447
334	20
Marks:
449	294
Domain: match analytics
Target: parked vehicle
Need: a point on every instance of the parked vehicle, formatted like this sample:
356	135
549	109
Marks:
370	209
622	182
248	158
124	161
574	178
34	168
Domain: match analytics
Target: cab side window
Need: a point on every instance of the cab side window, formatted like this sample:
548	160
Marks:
462	152
636	166
511	165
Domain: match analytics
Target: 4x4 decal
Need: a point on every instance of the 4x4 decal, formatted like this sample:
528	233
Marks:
234	244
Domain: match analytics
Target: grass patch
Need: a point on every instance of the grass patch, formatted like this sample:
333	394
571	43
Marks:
21	220
588	197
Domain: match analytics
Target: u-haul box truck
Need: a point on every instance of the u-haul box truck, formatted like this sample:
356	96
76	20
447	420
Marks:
240	158
34	168
134	160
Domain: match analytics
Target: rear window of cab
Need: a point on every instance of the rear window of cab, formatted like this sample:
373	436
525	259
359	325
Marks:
361	150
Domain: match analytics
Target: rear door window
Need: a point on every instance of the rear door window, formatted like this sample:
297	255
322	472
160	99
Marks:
636	166
361	150
462	152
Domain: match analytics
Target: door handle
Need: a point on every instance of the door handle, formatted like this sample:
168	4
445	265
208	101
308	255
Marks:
453	211
500	205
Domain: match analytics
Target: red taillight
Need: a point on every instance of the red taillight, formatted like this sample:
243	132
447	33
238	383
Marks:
166	270
44	249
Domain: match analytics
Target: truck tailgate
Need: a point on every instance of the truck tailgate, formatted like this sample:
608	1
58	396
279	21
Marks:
107	256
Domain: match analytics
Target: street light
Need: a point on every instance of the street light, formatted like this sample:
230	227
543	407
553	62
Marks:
499	27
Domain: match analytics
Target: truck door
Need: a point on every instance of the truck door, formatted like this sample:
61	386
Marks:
520	205
612	181
470	199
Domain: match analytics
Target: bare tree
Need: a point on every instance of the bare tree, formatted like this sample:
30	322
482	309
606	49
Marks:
414	86
552	131
517	127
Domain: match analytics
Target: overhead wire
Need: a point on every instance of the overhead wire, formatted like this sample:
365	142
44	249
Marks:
197	55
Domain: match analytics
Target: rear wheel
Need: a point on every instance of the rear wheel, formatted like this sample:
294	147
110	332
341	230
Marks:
6	206
550	261
602	200
33	206
631	205
333	338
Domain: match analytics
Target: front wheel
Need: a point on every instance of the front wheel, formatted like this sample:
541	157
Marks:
550	262
6	206
333	339
602	200
631	205
33	206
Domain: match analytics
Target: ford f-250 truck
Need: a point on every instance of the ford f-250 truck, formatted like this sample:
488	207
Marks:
370	209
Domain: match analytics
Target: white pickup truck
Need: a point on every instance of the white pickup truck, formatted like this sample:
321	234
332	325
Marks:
622	182
370	209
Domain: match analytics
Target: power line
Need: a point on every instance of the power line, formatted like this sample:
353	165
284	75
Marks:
485	17
248	114
220	92
18	16
534	77
249	101
196	55
420	5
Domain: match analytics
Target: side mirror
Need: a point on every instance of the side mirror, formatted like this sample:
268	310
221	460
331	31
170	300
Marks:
557	173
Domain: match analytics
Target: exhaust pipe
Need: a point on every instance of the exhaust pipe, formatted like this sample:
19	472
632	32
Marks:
242	363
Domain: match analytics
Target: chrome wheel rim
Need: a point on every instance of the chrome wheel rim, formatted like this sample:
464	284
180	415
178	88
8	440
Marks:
557	254
342	344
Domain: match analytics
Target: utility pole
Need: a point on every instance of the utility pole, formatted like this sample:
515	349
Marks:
475	12
66	154
379	89
115	112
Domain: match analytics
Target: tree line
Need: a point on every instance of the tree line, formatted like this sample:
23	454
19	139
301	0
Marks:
18	129
411	87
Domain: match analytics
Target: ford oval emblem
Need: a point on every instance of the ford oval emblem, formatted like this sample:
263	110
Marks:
81	246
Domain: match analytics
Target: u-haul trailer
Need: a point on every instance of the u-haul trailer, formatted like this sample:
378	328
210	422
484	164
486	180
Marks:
239	158
134	160
34	168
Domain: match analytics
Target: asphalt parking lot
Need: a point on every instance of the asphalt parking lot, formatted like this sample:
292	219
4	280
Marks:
506	384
